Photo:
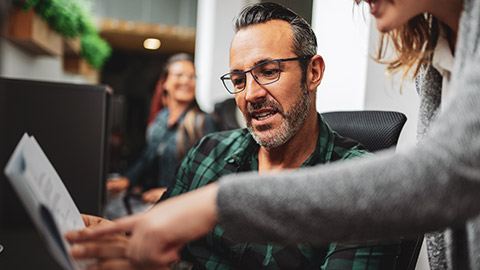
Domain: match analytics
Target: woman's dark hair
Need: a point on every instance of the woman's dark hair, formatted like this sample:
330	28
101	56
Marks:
159	95
304	39
173	59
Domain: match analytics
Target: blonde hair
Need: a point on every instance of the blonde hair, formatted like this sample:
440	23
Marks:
190	130
413	45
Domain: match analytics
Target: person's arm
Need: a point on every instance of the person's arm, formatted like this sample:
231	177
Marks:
159	234
117	185
137	170
165	216
428	187
109	250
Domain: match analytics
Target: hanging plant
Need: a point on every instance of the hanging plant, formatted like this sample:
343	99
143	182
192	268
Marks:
70	19
94	50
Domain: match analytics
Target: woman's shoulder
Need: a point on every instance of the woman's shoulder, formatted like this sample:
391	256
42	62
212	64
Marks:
162	114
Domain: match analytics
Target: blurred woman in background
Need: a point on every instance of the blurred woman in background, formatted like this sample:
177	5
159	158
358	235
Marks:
176	123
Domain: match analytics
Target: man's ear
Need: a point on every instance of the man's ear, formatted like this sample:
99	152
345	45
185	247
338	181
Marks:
315	72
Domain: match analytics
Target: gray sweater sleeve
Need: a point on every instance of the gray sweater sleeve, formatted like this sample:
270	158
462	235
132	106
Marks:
428	187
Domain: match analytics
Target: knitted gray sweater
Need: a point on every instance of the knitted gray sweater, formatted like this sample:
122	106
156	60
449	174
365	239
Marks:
432	186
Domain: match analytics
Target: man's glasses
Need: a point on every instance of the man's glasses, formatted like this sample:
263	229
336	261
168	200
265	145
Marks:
264	73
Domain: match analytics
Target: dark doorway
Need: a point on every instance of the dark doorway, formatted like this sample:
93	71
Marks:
132	76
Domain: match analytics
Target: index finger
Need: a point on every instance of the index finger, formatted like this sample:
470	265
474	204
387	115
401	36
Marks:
122	225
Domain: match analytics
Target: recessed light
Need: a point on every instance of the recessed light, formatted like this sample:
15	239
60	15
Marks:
152	43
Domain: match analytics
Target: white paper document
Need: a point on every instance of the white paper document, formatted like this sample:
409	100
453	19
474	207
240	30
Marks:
45	197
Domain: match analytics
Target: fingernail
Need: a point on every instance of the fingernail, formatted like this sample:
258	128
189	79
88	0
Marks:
78	250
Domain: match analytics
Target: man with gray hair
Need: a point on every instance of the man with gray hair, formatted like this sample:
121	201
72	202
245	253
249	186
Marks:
274	75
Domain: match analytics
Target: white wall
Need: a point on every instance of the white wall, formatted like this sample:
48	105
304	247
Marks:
18	63
347	38
212	48
343	44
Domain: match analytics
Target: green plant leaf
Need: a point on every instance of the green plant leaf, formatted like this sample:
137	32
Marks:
71	19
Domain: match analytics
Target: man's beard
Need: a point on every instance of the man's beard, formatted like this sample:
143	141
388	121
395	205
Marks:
293	121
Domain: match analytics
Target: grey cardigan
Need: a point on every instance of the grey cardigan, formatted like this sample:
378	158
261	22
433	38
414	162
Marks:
432	186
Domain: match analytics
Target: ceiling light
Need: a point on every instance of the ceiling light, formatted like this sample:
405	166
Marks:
152	43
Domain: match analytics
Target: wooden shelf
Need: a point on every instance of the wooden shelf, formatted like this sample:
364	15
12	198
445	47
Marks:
72	46
77	65
129	35
28	30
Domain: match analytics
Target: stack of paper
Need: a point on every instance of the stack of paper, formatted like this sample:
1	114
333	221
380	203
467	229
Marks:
45	197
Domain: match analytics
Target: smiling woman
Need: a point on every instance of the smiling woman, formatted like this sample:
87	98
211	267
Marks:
177	124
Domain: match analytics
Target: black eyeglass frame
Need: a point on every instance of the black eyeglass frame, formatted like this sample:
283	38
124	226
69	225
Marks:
254	77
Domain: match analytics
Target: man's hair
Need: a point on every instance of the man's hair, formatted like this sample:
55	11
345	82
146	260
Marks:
304	39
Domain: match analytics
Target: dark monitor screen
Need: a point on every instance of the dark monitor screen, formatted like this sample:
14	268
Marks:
69	121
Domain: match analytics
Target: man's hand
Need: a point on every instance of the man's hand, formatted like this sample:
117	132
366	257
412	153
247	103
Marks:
108	250
117	185
158	234
153	195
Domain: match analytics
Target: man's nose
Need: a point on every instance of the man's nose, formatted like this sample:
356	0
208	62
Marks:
254	92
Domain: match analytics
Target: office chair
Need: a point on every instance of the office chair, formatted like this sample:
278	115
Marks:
376	130
224	114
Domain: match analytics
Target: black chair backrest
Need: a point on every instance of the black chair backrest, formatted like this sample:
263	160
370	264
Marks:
224	114
376	130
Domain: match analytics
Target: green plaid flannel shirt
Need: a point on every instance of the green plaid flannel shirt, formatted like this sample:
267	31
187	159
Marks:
235	151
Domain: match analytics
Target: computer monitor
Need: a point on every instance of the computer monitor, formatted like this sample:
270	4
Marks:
69	121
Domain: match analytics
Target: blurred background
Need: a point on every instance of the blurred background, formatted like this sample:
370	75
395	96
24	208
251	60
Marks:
204	29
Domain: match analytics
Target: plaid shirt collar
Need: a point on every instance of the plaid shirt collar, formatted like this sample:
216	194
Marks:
322	153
